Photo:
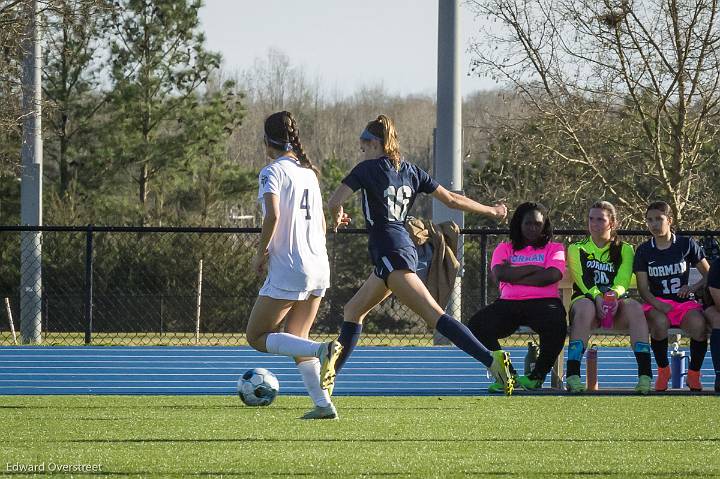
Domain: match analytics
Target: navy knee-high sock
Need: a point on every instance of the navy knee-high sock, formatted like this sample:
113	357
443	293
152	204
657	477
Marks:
349	337
461	337
715	350
576	349
642	356
698	349
660	350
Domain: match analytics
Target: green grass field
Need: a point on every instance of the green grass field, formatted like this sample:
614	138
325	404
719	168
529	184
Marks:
215	436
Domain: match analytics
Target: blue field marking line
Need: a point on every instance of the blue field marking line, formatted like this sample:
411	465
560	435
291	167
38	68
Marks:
441	371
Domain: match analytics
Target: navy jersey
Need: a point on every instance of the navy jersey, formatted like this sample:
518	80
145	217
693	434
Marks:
713	281
387	196
669	269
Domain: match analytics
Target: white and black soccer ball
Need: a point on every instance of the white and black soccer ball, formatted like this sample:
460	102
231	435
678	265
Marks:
258	387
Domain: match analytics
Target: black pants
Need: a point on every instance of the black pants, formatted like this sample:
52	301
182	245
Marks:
502	318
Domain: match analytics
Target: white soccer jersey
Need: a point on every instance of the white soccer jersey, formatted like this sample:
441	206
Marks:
298	257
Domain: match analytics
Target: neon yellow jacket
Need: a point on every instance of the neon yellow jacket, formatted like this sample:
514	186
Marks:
592	271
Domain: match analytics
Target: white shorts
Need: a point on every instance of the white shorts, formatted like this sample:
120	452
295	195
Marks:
277	293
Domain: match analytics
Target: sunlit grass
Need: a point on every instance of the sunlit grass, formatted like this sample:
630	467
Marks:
213	436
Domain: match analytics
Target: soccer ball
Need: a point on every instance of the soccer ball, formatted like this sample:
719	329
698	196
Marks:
258	387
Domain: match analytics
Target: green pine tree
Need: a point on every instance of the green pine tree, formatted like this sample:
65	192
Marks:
159	69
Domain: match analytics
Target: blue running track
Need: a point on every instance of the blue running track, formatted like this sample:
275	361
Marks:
441	371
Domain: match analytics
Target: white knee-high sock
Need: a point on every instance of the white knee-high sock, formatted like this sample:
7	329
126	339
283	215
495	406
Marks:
291	345
310	372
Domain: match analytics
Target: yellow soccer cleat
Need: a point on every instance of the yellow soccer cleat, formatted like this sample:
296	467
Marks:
501	370
328	358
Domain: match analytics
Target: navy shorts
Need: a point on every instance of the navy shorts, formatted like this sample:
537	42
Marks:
388	261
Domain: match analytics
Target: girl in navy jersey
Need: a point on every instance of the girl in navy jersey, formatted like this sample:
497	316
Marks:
292	248
662	268
389	187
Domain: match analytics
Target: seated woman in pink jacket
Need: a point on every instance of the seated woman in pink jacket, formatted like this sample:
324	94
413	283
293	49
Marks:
528	269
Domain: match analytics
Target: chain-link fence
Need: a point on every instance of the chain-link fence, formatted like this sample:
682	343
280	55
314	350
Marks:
183	286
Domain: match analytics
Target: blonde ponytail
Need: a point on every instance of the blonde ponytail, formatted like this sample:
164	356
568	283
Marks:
384	129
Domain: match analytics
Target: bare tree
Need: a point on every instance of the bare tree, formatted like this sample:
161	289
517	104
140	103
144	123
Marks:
13	22
76	17
627	91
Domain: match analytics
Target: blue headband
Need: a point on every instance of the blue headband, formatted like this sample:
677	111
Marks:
367	136
281	144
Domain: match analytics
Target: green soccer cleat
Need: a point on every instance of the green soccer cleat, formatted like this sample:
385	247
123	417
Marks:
502	371
528	383
643	385
328	358
574	384
496	388
321	412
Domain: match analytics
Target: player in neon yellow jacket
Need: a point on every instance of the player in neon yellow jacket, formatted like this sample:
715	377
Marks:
599	263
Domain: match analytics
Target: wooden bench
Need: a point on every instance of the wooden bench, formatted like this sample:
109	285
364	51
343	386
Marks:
566	289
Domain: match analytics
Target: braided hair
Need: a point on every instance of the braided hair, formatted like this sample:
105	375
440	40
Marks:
282	133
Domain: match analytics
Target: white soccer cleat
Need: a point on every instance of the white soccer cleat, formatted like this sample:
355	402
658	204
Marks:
321	412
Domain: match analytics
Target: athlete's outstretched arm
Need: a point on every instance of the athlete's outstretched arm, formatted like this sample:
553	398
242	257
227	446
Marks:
460	202
270	221
341	195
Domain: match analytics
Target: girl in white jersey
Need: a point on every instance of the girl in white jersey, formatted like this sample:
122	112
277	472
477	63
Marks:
292	248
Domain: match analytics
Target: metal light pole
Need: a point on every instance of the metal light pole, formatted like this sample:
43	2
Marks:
448	132
31	184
